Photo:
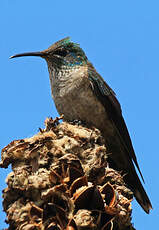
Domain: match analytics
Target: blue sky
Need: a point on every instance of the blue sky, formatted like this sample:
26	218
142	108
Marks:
121	39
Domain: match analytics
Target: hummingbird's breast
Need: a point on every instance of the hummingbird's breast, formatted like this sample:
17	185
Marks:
75	99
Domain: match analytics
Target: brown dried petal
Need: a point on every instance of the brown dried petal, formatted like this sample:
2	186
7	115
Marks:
35	211
71	225
74	173
110	195
88	198
54	177
79	182
53	226
55	211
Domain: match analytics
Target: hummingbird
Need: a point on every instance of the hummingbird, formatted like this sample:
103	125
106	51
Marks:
80	93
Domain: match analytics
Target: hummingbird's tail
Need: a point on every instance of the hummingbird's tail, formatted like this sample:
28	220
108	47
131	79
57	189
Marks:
120	161
140	193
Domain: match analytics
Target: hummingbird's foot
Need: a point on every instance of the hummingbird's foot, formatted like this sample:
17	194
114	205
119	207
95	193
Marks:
78	122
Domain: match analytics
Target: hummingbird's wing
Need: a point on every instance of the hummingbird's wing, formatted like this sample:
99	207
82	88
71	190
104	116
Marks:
108	98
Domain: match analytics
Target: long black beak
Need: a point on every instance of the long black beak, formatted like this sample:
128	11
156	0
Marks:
37	54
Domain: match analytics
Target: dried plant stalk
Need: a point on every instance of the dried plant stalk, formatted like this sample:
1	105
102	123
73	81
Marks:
61	180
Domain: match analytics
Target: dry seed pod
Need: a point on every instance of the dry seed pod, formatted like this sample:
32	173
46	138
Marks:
60	177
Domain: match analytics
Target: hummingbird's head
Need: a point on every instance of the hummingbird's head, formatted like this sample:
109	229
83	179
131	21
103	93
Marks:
61	53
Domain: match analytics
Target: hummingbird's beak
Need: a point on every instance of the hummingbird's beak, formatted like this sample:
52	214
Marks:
37	54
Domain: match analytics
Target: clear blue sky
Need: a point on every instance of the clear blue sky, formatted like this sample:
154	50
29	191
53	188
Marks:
121	39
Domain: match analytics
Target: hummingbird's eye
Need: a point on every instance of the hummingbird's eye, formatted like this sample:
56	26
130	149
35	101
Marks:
61	52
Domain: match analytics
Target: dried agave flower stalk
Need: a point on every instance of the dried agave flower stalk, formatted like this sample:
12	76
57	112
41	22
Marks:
61	180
